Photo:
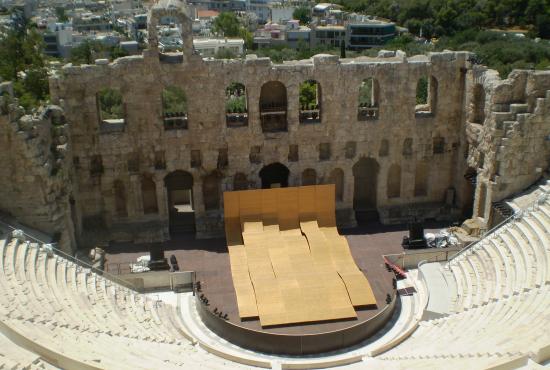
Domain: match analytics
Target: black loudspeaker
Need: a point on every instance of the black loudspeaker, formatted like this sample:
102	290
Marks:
157	260
416	239
416	231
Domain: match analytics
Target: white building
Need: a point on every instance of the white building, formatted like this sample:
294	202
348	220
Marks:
210	47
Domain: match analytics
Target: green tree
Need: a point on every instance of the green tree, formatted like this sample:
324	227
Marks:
117	52
110	103
86	52
22	61
303	14
61	16
308	95
227	24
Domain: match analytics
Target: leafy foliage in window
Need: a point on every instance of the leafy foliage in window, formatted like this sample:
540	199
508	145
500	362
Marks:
235	98
110	104
422	91
308	95
174	101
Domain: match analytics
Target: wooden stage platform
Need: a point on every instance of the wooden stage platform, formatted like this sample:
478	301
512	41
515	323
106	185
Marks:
210	259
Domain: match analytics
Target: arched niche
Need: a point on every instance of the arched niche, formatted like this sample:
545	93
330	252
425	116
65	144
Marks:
149	195
394	181
336	177
273	107
365	176
309	177
274	175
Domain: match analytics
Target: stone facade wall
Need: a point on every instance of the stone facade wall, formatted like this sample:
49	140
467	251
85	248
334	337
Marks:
71	172
511	146
36	180
142	79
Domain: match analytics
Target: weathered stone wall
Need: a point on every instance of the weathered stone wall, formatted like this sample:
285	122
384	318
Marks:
142	79
36	183
482	140
511	146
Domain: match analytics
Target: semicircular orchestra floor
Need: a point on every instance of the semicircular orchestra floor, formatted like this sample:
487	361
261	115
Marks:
210	259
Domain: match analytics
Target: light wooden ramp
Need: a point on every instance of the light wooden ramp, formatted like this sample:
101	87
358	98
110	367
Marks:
288	263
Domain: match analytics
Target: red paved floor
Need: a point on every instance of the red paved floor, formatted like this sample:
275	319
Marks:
209	258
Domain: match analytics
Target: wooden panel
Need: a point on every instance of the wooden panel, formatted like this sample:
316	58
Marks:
325	207
306	202
231	204
359	289
269	207
246	297
250	204
281	275
288	208
233	232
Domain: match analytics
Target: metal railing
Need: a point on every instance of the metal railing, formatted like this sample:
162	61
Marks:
496	229
53	248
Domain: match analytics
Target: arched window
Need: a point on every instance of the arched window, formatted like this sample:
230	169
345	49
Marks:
149	195
240	182
110	110
394	181
174	108
310	102
211	191
421	179
477	106
337	178
309	177
426	95
369	92
120	199
236	105
273	107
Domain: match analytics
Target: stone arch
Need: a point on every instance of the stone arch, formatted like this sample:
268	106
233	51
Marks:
273	106
211	187
236	105
394	181
477	105
368	101
426	95
421	179
365	175
121	209
149	194
240	182
336	177
309	177
179	188
274	175
178	12
309	99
